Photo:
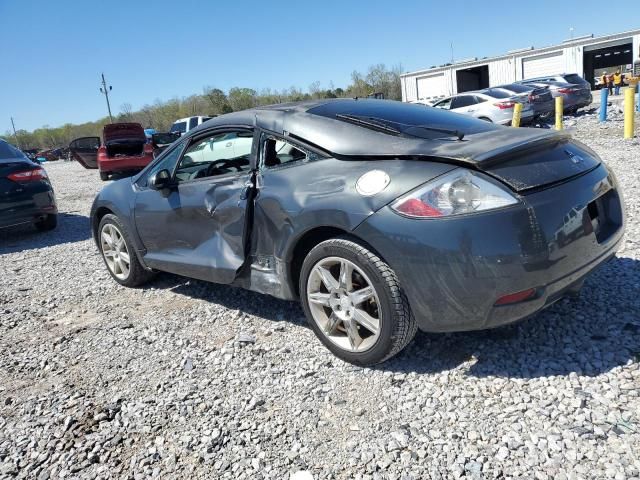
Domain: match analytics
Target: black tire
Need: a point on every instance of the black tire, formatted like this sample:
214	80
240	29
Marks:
397	324
48	223
104	176
138	275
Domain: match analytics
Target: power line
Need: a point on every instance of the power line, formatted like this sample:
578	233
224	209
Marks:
106	91
14	133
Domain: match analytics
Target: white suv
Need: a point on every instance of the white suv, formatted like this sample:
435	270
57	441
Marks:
183	125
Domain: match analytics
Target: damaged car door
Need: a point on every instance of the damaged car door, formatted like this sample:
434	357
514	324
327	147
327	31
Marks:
193	220
85	151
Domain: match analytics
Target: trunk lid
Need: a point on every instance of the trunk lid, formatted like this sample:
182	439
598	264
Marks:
124	139
123	131
529	159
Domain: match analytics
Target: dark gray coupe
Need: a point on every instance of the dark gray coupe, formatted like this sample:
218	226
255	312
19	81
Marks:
381	217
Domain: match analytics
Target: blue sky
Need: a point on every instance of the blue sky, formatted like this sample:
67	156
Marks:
53	51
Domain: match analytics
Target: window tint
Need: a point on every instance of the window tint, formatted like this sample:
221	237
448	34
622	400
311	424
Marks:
497	93
179	127
193	122
277	152
480	99
574	78
514	87
166	162
216	154
443	104
9	151
463	101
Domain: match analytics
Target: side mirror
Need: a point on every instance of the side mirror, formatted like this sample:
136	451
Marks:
160	180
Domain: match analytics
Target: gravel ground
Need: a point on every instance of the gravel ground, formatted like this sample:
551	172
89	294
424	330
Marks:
184	379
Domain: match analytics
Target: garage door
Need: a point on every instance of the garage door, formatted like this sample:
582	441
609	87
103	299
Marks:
432	87
548	64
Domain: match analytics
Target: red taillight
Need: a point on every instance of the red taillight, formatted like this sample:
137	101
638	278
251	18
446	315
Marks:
566	90
516	297
504	105
28	175
417	208
148	149
102	153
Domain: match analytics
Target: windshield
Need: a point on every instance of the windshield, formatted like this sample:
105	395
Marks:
9	151
179	127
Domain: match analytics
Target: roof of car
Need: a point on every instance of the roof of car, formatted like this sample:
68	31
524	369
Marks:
319	123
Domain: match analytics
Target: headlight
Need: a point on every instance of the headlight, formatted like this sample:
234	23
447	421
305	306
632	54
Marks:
458	192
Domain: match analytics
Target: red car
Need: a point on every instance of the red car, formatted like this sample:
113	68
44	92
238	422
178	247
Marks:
123	149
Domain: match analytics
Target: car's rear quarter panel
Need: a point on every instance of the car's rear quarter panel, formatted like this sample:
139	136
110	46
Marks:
453	270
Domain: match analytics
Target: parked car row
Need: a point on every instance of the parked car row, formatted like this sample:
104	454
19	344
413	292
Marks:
537	95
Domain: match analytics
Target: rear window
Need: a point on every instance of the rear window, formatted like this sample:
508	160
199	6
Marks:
179	127
193	122
574	78
497	93
402	113
514	87
9	151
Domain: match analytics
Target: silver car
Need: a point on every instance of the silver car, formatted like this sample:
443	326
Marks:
491	104
575	90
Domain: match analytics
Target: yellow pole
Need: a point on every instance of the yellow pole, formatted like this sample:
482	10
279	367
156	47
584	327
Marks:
517	114
559	111
629	111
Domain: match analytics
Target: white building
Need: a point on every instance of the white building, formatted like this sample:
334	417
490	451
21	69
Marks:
588	56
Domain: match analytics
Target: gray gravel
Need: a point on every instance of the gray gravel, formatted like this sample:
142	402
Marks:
185	379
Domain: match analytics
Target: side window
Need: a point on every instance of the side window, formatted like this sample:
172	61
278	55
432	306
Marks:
276	152
167	162
463	101
443	104
193	122
216	154
480	99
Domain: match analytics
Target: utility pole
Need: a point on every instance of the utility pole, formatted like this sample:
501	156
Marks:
14	133
452	52
106	91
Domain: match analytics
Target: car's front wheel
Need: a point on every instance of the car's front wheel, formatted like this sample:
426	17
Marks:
118	253
104	176
354	302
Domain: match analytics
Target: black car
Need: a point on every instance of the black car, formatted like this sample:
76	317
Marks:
26	194
381	217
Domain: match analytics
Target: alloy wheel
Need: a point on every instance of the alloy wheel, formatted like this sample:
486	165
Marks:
115	252
344	304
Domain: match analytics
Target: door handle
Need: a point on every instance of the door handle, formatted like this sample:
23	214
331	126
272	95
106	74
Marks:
228	144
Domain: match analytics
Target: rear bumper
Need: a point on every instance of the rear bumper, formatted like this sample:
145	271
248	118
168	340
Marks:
454	270
28	210
123	164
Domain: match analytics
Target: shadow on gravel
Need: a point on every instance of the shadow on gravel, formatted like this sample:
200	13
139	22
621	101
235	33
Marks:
589	335
233	298
71	228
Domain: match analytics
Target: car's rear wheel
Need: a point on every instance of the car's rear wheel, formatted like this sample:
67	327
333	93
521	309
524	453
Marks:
354	302
104	176
118	253
47	223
